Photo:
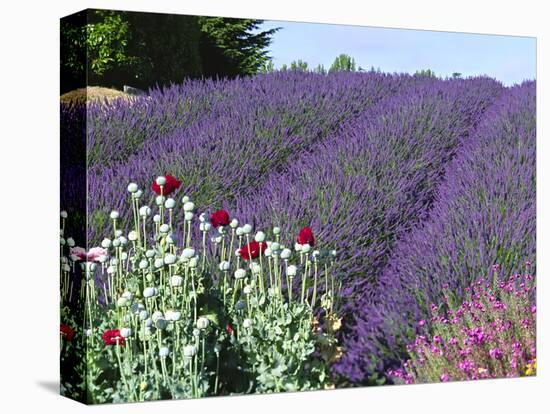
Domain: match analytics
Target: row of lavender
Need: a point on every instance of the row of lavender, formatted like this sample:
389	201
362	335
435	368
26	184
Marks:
482	225
358	157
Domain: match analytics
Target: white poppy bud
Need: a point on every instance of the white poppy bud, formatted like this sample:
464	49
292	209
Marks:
165	228
159	263
203	217
221	230
137	194
150	254
298	247
185	199
64	214
118	233
114	215
333	253
62	241
170	203
157	315
123	240
149	292
159	200
103	258
260	237
188	206
116	243
144	211
291	270
216	239
268	252
121	302
176	281
70	242
276	230
247	229
133	235
240	274
188	253
188	215
143	264
161	180
170	259
110	270
164	352
189	351
128	295
143	315
132	188
66	268
306	248
238	252
247	290
106	243
156	218
239	231
247	323
126	332
202	323
275	246
255	268
193	262
224	266
234	223
285	254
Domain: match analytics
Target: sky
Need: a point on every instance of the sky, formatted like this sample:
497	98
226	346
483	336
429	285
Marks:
510	59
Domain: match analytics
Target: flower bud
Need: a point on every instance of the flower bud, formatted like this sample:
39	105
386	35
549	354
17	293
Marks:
118	233
137	194
164	352
123	240
276	230
240	274
193	262
161	180
133	235
132	188
156	218
106	243
185	199
247	290
255	268
285	254
176	281
143	264
165	228
234	223
203	217
291	270
126	332
70	242
239	231
122	302
143	315
114	215
149	292
159	263
260	237
188	206
298	247
268	252
188	216
247	229
170	203
275	246
224	266
189	351
144	211
64	214
159	200
202	323
306	248
247	323
170	259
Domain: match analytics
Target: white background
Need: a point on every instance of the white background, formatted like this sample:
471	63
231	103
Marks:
29	137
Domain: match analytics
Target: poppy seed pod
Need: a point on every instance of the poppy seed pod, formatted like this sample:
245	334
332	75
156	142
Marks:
137	307
144	211
260	236
64	214
149	292
170	259
247	323
188	253
122	302
106	243
298	247
216	239
128	295
268	252
114	215
202	323
255	268
176	281
133	235
185	199
156	218
203	217
188	215
150	254
175	315
291	270
164	352
116	243
118	233
159	263
170	203
247	290
161	323
275	246
286	253
234	223
157	315
123	240
143	264
276	230
189	206
306	248
189	351
143	315
62	241
70	242
224	266
239	231
247	229
240	274
159	200
161	180
110	270
132	188
193	262
125	332
221	230
165	228
137	194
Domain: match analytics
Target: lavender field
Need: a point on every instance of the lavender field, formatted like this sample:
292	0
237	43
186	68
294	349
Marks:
417	189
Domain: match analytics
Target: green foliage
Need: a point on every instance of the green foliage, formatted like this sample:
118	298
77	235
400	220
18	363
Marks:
426	73
298	65
343	62
320	69
146	49
457	75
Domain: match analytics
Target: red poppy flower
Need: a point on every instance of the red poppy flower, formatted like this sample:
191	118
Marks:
67	332
219	218
252	250
111	336
172	184
229	329
306	237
